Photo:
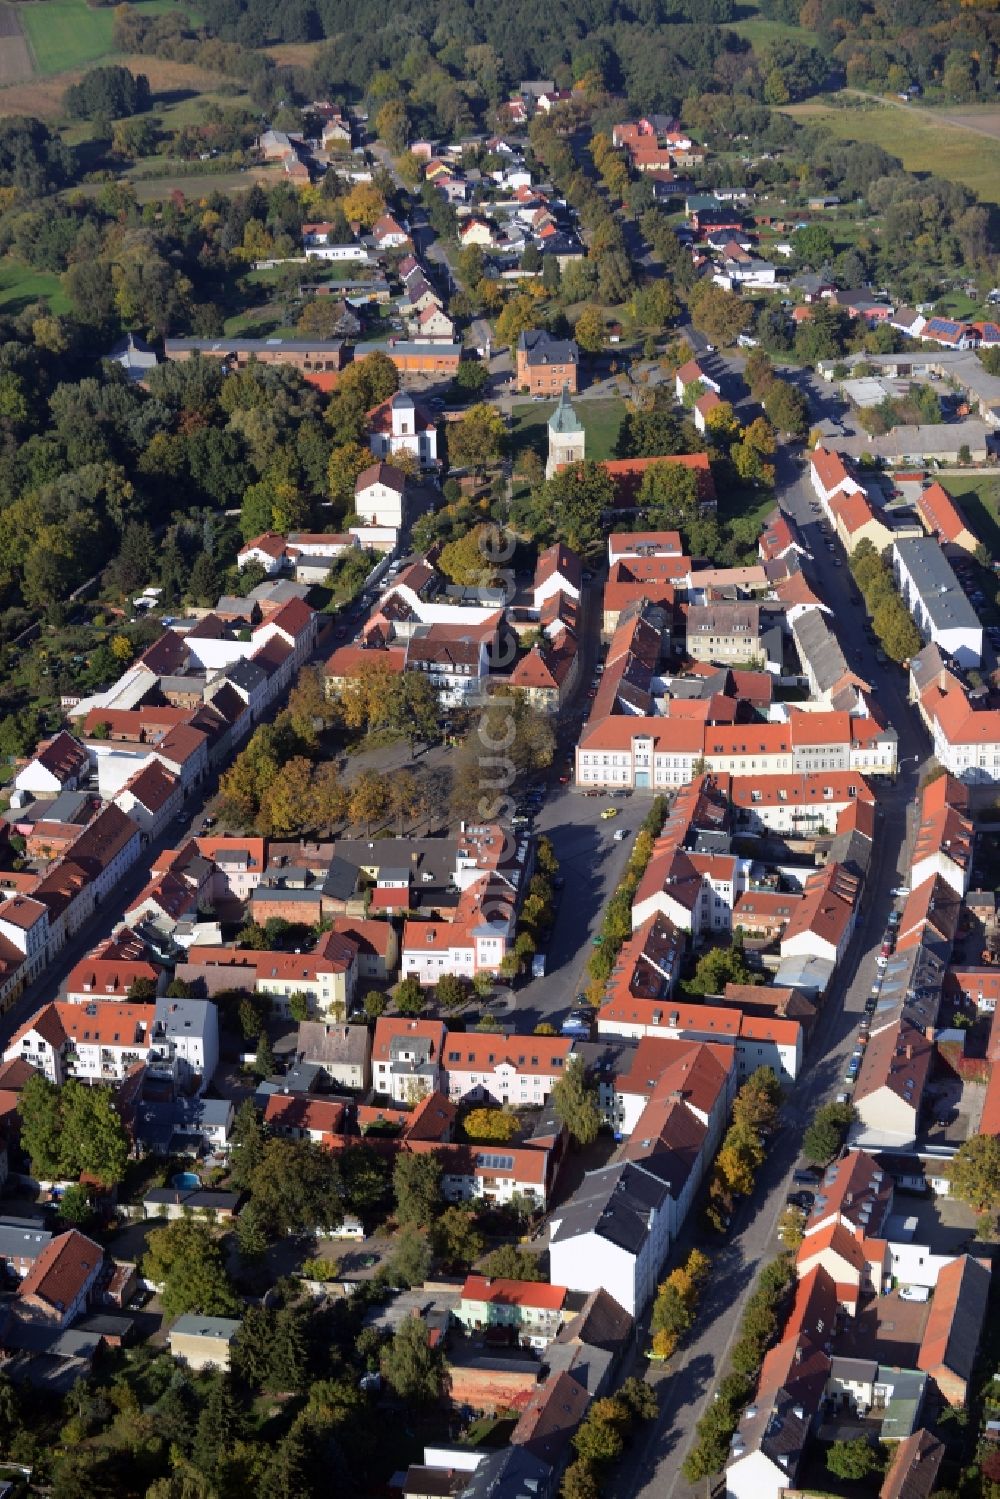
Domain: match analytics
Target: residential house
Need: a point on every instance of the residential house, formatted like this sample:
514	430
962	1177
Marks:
694	374
936	599
388	234
184	1042
889	1092
57	1288
407	1057
516	1070
557	571
549	1420
614	1234
727	634
303	1117
203	1342
544	365
380	495
913	1467
96	1042
536	1311
343	1052
944	520
951	1337
60	764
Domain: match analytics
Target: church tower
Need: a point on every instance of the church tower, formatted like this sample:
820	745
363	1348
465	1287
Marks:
567	439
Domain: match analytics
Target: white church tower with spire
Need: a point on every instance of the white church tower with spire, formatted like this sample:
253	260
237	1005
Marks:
567	439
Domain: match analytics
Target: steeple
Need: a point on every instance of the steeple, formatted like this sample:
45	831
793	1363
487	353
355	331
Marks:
567	438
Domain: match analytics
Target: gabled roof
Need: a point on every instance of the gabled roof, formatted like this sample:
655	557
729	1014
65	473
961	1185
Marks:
380	473
940	513
63	757
152	786
913	1468
62	1270
521	1293
951	1336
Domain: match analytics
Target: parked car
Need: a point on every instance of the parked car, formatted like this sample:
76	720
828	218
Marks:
803	1200
807	1175
901	892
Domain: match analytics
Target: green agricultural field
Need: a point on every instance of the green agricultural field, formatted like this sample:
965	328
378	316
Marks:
601	420
65	34
923	141
20	286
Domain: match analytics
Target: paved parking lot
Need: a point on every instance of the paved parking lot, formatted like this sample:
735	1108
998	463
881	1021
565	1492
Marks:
591	863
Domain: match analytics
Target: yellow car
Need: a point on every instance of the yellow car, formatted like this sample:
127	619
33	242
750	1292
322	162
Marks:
609	812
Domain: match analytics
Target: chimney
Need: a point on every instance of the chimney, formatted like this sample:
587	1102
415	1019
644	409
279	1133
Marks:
909	1051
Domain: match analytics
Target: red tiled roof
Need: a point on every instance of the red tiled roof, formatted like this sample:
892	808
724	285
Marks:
63	1268
524	1293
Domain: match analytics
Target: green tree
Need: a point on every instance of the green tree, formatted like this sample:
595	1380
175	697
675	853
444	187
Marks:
510	1262
669	495
220	1425
825	1135
74	1206
589	330
787	408
188	1260
574	1099
413	1369
296	1189
41	1125
852	1459
73	1130
416	1183
975	1173
409	997
365	1176
375	1004
264	1063
450	992
410	1262
476	440
455	1237
246	1145
718	967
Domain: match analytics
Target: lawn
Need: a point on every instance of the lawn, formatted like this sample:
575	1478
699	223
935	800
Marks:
922	141
736	503
601	420
759	31
20	286
65	34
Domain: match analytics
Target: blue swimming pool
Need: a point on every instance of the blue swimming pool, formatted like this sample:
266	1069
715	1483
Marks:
187	1180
